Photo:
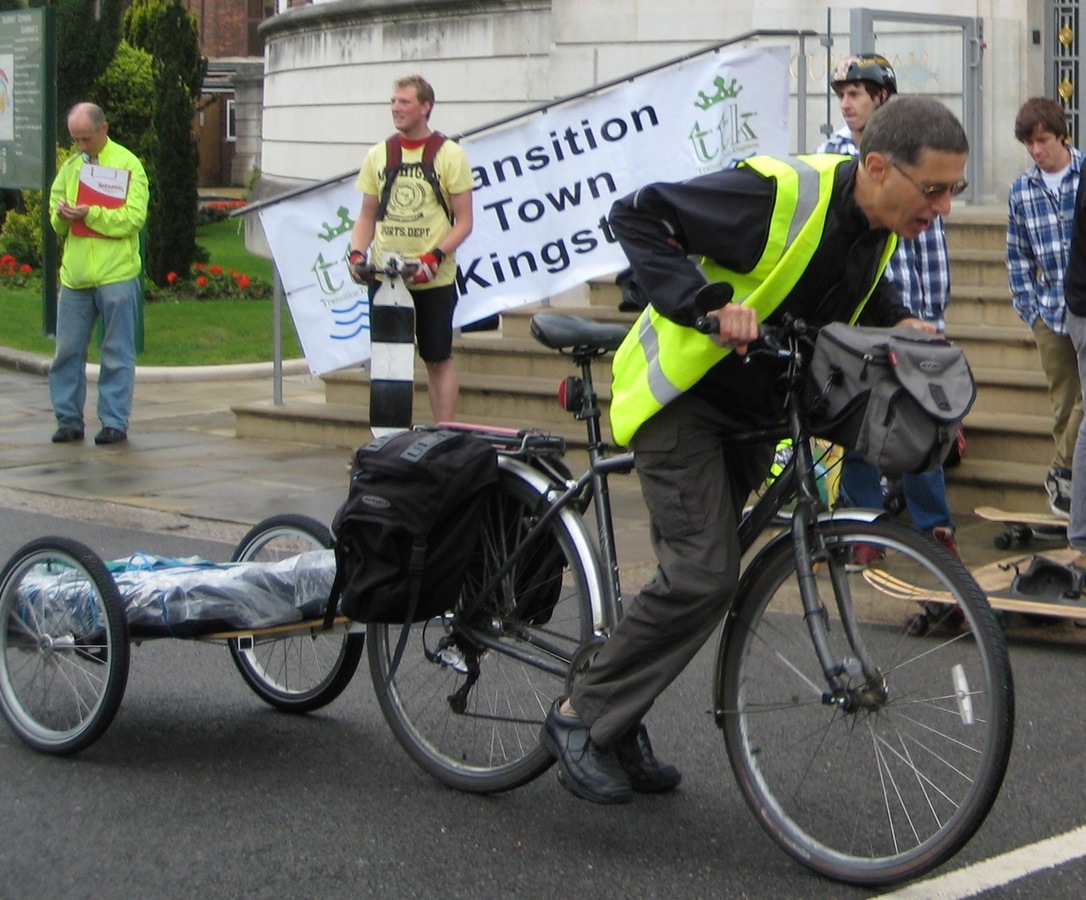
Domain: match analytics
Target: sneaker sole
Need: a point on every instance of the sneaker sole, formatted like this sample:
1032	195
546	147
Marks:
570	783
580	793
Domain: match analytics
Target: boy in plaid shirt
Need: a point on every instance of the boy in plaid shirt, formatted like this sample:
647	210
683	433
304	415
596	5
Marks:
1041	212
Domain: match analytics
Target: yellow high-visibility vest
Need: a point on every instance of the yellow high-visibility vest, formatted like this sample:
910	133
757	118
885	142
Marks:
660	360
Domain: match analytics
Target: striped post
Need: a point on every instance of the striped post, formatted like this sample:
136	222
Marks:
392	357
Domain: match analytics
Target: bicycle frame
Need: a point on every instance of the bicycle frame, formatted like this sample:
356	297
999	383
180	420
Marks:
797	482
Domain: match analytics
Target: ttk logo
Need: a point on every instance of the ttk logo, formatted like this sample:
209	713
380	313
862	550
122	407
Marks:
723	133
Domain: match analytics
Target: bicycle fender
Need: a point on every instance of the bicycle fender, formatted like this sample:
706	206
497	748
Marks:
575	527
781	543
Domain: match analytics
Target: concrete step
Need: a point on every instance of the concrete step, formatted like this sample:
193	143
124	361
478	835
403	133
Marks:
1008	485
973	304
1004	392
347	424
515	322
1010	348
522	357
510	401
980	267
976	228
1019	438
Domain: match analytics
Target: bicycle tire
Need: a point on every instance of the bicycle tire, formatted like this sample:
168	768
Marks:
296	672
486	738
888	790
64	648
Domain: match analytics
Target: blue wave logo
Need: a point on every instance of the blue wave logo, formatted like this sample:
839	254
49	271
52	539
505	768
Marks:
350	321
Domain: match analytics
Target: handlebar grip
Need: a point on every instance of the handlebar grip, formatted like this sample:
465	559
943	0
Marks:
707	324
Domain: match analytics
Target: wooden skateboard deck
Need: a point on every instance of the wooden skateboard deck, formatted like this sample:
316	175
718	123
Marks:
995	580
1022	527
392	357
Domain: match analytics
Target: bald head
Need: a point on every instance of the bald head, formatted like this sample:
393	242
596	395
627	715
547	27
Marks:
88	127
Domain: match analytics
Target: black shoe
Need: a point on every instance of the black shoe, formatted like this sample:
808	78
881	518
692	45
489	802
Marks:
646	773
65	435
110	436
585	769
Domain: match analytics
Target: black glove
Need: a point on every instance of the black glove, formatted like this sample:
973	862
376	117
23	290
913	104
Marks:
361	271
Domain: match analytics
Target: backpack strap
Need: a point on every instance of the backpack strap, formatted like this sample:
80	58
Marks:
394	165
414	588
334	594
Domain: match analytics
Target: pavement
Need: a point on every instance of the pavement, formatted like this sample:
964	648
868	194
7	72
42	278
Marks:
183	470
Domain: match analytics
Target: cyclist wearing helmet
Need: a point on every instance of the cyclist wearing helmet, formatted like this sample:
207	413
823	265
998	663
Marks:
920	269
862	84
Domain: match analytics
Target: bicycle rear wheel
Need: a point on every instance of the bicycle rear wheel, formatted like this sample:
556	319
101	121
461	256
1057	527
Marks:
297	671
892	776
63	645
470	694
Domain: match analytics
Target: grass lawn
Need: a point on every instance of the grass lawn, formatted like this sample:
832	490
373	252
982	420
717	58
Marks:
187	333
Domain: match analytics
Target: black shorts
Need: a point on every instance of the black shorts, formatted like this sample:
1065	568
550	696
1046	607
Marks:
433	320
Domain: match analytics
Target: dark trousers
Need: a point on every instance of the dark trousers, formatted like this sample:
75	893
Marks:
695	494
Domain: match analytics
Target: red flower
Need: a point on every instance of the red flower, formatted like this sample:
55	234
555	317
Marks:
216	270
7	259
243	281
26	268
200	267
201	281
171	278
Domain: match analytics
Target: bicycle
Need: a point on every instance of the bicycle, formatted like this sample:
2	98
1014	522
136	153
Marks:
868	755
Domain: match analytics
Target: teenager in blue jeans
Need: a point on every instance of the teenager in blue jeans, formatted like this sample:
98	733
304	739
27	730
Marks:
920	270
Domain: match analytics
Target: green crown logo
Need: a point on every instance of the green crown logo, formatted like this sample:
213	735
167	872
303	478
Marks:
345	224
724	91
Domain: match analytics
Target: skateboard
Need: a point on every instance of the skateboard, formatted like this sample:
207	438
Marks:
392	354
996	580
1023	527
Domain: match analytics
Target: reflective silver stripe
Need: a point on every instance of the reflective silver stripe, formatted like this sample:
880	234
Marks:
809	183
663	390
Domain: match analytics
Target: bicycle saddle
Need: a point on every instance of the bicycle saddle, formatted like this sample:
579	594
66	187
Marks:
561	332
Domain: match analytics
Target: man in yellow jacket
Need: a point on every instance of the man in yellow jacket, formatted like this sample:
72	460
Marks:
97	206
807	236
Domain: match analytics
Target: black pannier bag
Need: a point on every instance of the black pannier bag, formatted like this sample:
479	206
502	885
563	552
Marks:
408	529
897	395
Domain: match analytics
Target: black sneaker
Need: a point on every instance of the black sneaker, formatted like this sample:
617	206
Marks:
65	435
646	773
585	769
1058	486
110	436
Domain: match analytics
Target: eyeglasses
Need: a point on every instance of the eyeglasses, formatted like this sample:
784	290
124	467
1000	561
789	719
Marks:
931	191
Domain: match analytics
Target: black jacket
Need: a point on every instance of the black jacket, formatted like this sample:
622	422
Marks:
725	216
1074	281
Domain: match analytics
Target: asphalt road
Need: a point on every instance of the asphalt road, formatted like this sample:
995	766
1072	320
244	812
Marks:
199	789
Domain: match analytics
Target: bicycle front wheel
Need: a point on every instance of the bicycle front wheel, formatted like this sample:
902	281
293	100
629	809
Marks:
63	645
471	691
296	671
891	774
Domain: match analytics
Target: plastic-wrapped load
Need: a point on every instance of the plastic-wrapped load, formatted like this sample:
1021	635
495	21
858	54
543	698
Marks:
190	597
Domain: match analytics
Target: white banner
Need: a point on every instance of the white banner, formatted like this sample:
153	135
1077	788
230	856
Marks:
543	189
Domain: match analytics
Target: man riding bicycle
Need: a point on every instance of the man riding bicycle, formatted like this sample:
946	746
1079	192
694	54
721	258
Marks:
808	236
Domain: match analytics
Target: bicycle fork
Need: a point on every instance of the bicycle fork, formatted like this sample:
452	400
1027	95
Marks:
854	682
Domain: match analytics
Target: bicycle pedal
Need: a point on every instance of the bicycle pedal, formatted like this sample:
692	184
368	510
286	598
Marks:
449	658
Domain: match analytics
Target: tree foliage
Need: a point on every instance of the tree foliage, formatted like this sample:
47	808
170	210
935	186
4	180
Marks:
126	90
88	32
170	35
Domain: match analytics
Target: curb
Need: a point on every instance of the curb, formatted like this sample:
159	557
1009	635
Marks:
23	361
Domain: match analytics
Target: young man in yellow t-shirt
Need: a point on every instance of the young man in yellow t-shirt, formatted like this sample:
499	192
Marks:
419	225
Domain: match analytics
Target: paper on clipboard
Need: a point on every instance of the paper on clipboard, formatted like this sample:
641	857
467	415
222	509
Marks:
100	186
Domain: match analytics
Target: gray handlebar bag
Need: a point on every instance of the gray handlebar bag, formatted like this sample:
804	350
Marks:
896	395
